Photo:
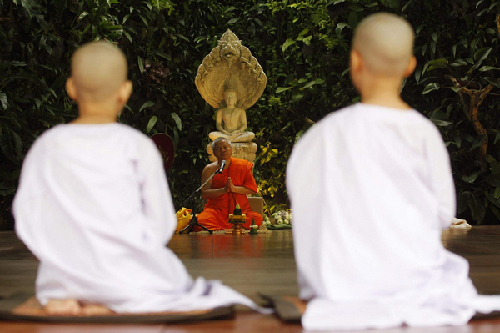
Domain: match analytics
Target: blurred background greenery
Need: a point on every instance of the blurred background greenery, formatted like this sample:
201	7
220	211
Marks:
303	47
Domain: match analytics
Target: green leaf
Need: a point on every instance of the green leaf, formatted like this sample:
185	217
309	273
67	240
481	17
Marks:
480	55
356	8
440	118
470	179
405	6
418	74
141	64
492	199
495	211
151	123
307	40
391	3
82	15
309	85
488	68
177	120
297	97
478	142
419	28
286	44
481	211
433	47
302	33
18	143
490	159
463	198
114	27
146	105
352	19
493	81
441	123
3	100
163	55
280	90
18	63
128	36
458	63
233	20
438	63
496	194
430	87
497	137
493	180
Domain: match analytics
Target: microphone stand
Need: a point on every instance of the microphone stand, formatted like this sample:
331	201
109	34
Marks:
194	219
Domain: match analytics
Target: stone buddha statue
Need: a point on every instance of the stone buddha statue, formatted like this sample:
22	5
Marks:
231	80
231	121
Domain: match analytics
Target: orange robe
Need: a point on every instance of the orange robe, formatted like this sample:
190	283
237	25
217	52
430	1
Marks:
215	214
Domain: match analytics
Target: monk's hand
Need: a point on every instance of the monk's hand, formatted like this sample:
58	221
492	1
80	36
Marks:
230	184
226	188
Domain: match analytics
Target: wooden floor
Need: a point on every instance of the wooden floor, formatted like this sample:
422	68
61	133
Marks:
251	265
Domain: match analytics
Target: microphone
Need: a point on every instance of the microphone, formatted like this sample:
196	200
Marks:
222	165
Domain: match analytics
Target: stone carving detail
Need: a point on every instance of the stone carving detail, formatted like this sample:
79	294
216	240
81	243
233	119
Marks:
231	80
230	65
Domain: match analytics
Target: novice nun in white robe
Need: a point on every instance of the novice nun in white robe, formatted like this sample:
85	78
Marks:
93	205
371	189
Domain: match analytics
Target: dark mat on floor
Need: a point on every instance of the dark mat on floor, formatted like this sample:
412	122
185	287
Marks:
32	311
288	308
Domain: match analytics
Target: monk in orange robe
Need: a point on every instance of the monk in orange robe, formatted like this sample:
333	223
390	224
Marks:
226	190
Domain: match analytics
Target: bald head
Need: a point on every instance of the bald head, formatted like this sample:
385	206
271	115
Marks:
385	43
98	70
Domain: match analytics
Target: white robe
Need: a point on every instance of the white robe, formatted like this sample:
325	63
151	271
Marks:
371	189
94	206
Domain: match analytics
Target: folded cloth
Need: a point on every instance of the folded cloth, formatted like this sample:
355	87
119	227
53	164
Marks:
460	224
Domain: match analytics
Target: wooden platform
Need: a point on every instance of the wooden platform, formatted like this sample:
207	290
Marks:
250	264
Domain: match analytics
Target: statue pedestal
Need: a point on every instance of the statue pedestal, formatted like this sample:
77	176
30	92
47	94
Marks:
244	150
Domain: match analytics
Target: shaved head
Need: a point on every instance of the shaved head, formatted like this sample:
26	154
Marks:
218	140
98	70
385	43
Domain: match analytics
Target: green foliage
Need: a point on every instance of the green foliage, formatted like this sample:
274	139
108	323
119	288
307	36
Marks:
459	79
303	47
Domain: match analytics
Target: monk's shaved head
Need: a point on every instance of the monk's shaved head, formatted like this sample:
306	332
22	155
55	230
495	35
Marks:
385	43
98	70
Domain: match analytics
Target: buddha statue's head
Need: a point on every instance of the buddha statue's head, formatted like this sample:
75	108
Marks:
231	98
